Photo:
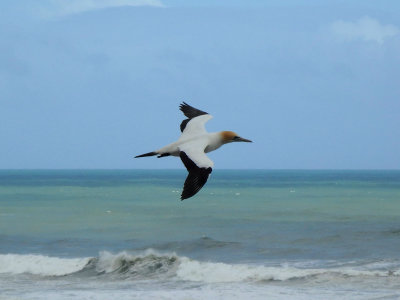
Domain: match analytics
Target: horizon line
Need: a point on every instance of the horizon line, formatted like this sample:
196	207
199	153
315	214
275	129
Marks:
176	169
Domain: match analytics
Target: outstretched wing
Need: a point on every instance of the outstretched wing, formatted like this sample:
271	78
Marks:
195	127
190	112
198	165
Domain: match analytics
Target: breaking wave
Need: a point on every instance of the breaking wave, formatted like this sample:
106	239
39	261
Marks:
40	264
153	265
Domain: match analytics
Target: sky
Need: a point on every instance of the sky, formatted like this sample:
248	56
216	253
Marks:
92	83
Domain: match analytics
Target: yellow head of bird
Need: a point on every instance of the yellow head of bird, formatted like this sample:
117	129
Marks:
230	136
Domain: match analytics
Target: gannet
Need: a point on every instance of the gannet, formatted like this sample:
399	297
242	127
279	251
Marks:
192	146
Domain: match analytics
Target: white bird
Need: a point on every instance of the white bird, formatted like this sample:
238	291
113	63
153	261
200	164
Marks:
192	146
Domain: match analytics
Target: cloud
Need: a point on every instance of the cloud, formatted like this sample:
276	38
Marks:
365	28
66	7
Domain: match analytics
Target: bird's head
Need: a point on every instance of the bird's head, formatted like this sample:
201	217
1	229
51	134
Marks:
230	136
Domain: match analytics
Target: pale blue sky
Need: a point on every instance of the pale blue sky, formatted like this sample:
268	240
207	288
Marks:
90	84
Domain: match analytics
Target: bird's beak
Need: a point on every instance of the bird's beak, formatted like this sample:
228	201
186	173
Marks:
240	139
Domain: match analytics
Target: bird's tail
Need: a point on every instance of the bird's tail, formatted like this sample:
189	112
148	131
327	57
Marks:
147	154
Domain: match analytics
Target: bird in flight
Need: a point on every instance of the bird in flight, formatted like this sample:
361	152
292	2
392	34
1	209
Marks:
192	146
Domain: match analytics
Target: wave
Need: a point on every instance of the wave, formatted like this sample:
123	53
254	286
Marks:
221	272
40	264
153	265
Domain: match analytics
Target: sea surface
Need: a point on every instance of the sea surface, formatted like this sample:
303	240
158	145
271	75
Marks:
248	234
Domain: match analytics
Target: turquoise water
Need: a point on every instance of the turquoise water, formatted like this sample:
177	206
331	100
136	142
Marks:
319	227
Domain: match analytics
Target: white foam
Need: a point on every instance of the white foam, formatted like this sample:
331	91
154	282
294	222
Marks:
40	264
127	290
210	272
109	262
183	268
220	272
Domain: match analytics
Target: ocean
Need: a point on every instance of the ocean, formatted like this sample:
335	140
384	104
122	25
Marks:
248	234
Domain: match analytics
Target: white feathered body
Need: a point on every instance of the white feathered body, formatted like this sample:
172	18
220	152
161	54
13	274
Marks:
195	141
212	141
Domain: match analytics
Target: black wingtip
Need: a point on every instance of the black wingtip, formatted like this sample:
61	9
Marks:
189	111
185	197
146	154
182	105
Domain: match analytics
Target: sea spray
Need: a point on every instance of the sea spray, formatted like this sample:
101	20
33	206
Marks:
40	264
145	265
151	264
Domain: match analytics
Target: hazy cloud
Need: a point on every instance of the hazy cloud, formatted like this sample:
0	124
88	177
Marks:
365	28
65	7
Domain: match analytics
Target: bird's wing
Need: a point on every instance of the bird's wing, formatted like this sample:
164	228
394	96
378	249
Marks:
195	126
198	165
190	112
